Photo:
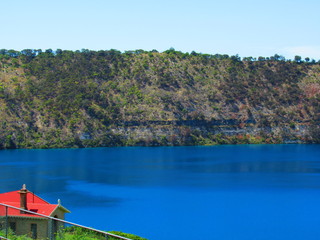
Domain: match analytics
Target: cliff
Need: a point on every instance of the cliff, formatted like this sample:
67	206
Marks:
108	98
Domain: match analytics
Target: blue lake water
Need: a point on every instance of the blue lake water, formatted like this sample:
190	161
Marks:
239	192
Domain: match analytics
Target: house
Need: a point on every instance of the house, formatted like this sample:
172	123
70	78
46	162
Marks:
23	223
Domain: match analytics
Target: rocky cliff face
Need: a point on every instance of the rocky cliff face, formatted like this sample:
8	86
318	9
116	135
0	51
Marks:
108	98
206	134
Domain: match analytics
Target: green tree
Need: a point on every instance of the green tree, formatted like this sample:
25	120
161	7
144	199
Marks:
297	59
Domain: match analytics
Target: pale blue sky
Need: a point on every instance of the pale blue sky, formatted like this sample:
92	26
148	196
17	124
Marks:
245	27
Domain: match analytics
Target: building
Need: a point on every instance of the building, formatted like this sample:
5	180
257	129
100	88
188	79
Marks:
23	223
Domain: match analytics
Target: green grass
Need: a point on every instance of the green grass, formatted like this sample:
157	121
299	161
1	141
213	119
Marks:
76	233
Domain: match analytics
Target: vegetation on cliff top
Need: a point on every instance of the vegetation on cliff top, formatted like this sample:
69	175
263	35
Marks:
77	99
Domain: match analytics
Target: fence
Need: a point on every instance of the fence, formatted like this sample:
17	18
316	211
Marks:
39	226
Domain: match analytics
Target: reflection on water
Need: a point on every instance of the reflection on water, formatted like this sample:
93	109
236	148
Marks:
160	192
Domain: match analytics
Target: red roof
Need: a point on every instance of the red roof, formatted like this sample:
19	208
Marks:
34	204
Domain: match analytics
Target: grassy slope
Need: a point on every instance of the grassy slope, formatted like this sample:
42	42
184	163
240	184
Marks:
78	98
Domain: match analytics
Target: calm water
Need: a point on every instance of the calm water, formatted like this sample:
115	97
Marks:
221	192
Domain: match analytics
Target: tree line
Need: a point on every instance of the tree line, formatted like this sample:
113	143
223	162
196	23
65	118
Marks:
32	53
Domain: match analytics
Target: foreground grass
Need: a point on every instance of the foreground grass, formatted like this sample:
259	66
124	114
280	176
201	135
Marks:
75	233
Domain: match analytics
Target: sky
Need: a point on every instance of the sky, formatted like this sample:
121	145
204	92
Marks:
245	27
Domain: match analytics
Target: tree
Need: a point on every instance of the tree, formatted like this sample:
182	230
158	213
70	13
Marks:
58	51
248	59
49	51
28	52
171	50
3	51
235	58
194	53
138	51
275	57
297	59
13	53
38	51
278	57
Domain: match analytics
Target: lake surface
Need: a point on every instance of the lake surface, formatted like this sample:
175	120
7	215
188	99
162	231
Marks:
239	192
